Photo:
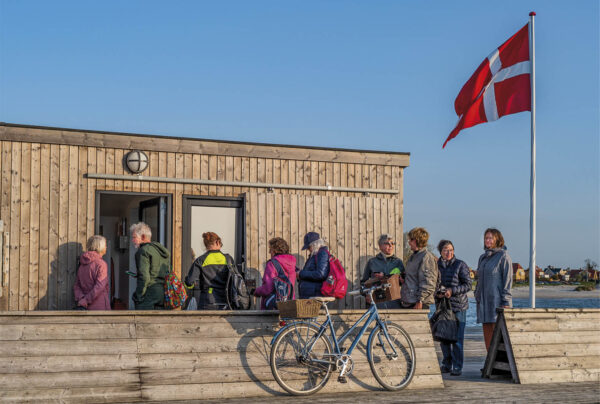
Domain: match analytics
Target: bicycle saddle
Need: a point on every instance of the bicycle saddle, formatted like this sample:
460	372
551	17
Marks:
323	299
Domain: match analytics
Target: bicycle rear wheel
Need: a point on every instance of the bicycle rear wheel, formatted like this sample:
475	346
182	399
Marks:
301	362
393	371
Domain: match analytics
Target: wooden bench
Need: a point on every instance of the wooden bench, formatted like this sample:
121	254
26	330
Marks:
545	346
150	355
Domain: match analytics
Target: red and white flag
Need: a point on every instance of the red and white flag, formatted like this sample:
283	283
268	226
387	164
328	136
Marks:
500	85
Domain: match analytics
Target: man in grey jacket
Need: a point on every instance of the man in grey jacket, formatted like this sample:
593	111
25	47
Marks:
421	272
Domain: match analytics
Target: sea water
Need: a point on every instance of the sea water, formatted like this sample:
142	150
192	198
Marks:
590	303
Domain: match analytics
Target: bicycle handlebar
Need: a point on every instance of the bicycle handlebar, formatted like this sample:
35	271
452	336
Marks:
364	291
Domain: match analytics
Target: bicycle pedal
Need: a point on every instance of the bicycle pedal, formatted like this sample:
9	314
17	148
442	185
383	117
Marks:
342	379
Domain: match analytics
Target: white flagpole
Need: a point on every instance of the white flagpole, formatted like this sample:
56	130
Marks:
532	271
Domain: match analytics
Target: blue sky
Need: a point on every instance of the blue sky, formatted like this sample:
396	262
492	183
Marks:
377	75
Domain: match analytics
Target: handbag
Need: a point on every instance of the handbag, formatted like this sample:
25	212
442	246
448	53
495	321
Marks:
444	324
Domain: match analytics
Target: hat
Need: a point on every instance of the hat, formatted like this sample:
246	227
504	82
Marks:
309	238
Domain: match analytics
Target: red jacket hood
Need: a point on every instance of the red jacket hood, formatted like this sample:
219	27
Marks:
288	263
88	257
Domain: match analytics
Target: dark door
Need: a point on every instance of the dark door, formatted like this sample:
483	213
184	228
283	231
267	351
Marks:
153	212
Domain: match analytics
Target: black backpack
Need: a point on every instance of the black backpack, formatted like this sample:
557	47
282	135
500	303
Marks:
238	297
282	286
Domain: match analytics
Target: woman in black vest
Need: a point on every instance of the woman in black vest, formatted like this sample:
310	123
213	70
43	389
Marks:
455	278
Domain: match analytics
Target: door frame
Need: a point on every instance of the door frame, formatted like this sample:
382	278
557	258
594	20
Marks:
168	219
215	201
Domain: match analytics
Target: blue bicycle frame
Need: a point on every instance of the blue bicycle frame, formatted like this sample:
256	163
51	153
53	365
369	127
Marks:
370	315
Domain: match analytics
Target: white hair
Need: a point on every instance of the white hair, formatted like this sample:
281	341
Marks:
96	243
316	245
141	229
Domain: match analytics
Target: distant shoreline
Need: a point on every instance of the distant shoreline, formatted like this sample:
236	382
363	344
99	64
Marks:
554	292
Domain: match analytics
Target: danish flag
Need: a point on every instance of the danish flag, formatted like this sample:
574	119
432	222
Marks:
500	85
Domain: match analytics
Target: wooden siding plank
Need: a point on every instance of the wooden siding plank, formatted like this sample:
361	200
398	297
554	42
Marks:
120	185
262	231
153	168
178	215
220	175
362	231
82	206
100	167
356	256
23	234
109	168
341	242
294	229
212	173
34	227
162	171
316	214
5	213
348	264
229	169
278	211
91	193
252	248
54	228
204	174
270	221
74	248
63	227
196	189
44	262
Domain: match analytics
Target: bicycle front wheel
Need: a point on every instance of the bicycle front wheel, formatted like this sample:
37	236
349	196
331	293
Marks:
392	359
301	362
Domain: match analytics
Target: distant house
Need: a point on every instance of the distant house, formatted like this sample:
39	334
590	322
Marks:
573	273
592	275
518	272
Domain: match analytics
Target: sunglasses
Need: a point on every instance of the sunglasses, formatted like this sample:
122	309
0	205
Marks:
389	243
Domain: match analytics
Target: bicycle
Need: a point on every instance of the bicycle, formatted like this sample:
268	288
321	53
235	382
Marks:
303	357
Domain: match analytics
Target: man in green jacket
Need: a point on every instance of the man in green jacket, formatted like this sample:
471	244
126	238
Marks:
153	262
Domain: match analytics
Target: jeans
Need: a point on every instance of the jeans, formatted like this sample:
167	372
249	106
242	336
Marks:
453	352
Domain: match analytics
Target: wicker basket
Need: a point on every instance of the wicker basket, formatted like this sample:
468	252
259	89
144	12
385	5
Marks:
302	308
386	295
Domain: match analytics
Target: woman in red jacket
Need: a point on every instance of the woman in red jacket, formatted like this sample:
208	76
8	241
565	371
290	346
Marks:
279	250
91	287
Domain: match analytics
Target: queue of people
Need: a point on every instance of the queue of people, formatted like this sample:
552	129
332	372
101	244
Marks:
425	278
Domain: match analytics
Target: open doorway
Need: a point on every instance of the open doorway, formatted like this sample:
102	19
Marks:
115	212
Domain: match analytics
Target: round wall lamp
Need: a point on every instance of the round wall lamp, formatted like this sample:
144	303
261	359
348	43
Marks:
136	161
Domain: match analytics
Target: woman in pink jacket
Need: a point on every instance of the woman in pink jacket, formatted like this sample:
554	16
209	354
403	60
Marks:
279	250
91	287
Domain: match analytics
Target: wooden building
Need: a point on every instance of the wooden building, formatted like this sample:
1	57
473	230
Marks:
60	186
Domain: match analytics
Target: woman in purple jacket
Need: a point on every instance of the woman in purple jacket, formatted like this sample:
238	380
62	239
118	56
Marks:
91	287
279	250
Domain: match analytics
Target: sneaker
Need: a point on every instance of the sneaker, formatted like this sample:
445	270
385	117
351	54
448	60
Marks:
456	372
444	369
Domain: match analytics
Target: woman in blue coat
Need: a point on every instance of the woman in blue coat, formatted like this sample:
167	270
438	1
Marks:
494	281
316	268
455	278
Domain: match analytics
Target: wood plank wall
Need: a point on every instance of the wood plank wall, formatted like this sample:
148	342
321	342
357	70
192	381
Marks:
159	356
48	206
554	345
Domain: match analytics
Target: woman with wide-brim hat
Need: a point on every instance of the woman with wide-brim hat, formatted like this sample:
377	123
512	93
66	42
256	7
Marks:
316	268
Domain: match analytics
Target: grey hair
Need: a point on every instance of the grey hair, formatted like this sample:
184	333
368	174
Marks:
316	245
141	229
384	237
96	243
